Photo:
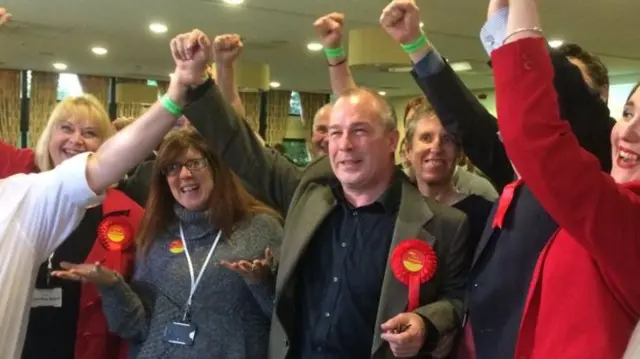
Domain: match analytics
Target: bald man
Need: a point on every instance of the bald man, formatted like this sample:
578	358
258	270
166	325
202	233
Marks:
320	129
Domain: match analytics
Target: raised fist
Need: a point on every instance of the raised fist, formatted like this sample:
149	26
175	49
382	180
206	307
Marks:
192	53
401	20
4	16
227	48
329	29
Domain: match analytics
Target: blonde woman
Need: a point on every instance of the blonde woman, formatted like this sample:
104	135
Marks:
73	326
40	211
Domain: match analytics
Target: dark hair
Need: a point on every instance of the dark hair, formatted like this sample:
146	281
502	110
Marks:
228	204
633	90
596	69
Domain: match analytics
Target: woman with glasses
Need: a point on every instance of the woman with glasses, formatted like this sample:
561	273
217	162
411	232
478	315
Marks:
203	284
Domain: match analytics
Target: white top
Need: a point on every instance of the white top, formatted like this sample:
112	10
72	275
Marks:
37	213
633	350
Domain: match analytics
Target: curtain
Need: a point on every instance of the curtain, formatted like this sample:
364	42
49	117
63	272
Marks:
132	107
277	115
10	107
97	86
44	96
310	104
251	102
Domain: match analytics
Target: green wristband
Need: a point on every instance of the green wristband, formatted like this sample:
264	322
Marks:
334	53
171	107
412	47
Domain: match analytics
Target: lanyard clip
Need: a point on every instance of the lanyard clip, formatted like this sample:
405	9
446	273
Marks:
186	313
49	270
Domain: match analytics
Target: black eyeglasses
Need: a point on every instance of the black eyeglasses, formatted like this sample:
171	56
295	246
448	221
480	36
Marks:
192	165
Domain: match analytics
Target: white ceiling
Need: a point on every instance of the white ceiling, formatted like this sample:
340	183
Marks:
277	31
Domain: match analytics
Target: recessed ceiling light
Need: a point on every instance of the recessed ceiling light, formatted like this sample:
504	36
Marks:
422	24
99	50
233	2
382	93
461	66
274	84
555	43
158	28
314	46
60	66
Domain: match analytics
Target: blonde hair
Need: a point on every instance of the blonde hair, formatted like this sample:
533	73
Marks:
85	106
122	122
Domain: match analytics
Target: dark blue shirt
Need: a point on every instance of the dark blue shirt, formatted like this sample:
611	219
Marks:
500	279
340	277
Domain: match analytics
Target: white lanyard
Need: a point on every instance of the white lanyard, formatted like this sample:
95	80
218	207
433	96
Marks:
49	268
195	281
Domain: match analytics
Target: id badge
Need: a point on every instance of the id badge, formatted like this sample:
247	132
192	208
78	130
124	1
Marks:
180	333
48	297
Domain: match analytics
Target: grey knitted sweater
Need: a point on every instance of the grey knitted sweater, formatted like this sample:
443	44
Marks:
232	317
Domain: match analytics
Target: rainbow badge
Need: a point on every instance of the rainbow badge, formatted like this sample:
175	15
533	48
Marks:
176	247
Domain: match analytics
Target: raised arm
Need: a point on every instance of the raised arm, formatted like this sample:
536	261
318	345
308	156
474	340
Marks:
270	174
329	29
600	214
133	144
227	48
457	108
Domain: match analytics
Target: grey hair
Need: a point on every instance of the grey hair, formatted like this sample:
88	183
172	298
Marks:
421	112
320	112
388	113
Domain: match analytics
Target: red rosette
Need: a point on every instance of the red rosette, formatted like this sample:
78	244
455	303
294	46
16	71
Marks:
115	233
413	262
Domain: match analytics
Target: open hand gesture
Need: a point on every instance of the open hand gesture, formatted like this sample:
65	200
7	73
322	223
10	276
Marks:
93	273
254	272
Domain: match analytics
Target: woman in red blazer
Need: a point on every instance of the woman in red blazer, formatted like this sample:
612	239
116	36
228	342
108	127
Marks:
584	297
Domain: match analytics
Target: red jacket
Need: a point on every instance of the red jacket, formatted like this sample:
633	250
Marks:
16	160
93	340
584	297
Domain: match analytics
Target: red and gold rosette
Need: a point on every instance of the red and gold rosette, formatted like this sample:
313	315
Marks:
115	233
413	262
